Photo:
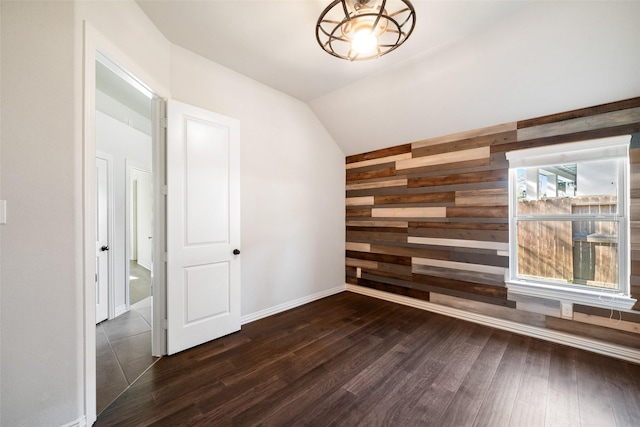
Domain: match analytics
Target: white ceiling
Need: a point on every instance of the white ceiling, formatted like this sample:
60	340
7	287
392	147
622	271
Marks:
467	65
274	42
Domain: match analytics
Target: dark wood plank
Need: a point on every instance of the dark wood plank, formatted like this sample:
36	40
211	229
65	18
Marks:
573	137
350	360
409	250
593	396
460	178
465	144
448	197
581	112
562	396
378	154
464	286
462	226
457	233
623	382
478	212
497	407
464	407
393	288
533	387
358	212
391	259
372	174
376	237
371	167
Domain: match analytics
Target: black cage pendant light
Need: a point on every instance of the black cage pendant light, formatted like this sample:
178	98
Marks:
364	29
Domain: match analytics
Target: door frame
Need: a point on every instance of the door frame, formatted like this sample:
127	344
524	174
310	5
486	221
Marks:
111	298
94	42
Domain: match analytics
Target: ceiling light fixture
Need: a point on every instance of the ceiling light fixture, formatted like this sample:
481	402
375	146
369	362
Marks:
364	29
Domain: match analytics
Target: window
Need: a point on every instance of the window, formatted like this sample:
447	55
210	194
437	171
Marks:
569	222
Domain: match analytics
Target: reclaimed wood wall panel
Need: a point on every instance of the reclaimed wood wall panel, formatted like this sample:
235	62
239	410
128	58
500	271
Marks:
430	219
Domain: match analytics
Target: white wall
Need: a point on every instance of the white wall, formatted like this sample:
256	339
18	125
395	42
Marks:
41	299
292	183
125	144
292	190
42	307
545	58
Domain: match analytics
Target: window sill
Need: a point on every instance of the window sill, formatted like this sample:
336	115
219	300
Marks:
575	296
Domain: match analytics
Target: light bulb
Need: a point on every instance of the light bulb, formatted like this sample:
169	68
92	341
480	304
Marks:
364	42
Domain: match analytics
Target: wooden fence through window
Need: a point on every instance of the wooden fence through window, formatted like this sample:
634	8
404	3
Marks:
581	252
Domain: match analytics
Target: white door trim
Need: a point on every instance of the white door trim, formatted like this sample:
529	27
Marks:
94	41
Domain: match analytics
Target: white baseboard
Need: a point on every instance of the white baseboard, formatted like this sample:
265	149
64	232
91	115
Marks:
596	346
121	309
80	422
289	305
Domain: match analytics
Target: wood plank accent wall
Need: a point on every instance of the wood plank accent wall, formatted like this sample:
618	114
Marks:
429	219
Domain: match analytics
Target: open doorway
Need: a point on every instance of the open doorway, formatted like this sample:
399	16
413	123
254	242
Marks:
123	136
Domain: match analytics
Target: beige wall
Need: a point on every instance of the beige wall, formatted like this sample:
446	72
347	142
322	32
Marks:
292	214
41	299
292	180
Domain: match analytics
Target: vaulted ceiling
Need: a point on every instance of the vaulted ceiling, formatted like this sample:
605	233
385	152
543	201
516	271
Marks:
468	64
274	41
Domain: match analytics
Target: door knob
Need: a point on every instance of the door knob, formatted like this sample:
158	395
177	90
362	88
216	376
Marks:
236	251
104	248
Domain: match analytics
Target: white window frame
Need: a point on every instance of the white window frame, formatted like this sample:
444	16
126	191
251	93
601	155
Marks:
597	149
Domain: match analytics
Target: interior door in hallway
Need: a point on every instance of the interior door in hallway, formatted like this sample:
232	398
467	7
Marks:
102	239
203	226
143	217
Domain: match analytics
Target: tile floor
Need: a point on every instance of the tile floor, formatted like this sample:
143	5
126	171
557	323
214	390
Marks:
123	351
139	282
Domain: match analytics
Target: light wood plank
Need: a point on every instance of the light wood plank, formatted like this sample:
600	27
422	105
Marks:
614	322
360	247
581	124
359	201
394	224
378	161
536	305
428	212
378	184
465	135
499	246
488	309
438	159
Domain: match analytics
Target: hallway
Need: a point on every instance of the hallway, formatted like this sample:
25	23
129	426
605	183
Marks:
123	344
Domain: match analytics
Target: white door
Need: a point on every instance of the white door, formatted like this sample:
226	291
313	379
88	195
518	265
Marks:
102	239
203	226
144	218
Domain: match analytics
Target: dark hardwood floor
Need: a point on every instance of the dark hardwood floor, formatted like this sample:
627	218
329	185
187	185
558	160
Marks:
350	360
